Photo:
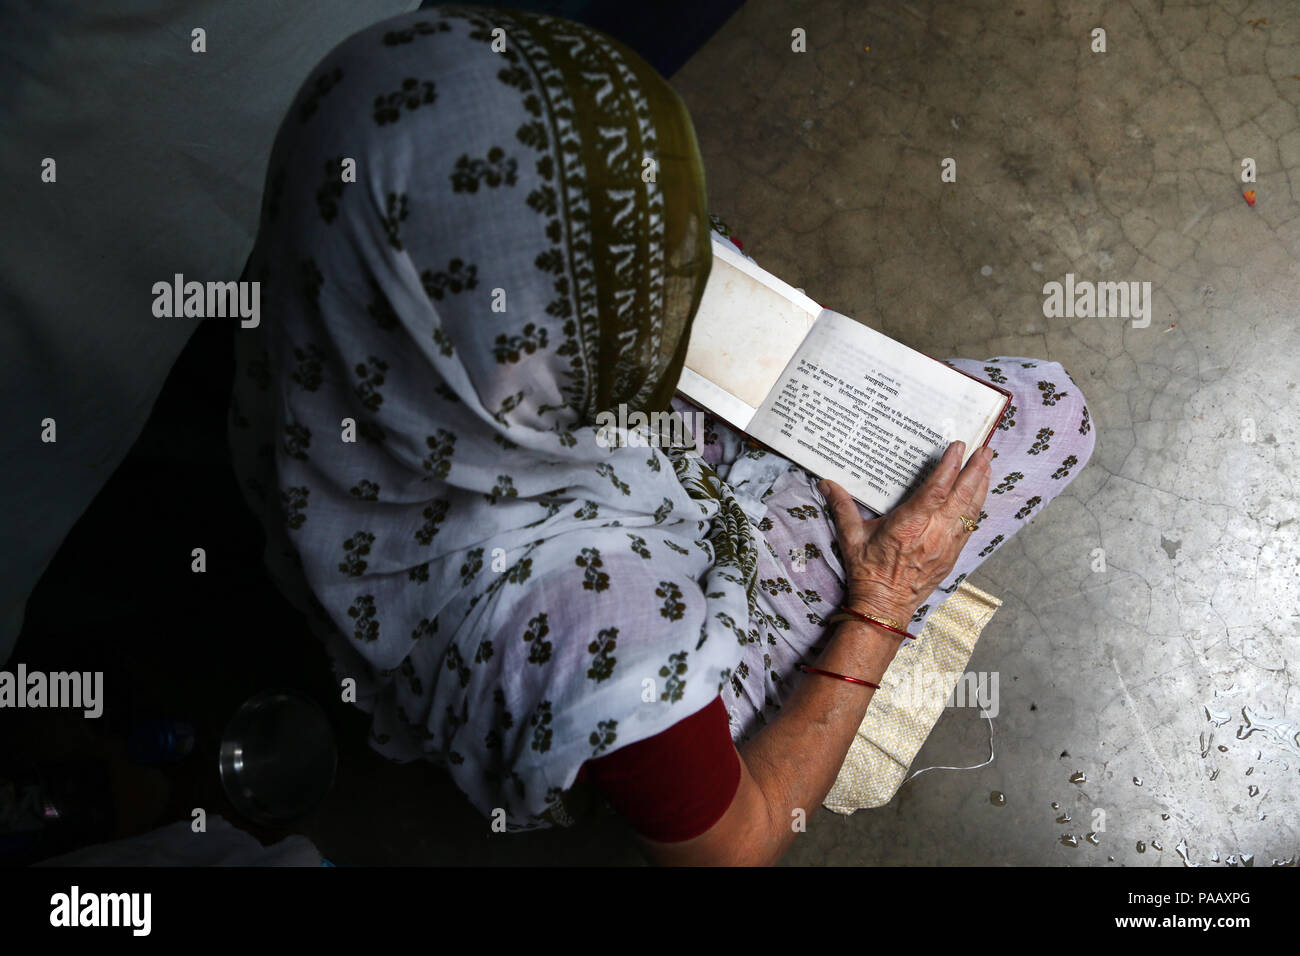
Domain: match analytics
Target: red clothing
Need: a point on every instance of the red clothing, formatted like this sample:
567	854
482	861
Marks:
675	785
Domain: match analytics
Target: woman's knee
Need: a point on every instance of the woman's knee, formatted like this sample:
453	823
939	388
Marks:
1047	409
1075	418
1047	414
1054	409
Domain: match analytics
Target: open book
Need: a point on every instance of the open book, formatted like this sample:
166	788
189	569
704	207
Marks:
827	392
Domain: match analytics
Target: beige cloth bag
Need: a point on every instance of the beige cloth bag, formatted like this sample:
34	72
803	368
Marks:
912	695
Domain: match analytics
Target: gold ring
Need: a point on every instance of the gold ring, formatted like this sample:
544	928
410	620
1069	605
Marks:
967	523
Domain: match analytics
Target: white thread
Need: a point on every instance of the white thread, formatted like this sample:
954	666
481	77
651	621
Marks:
977	766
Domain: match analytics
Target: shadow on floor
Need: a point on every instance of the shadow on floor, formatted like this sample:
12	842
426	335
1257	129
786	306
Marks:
120	597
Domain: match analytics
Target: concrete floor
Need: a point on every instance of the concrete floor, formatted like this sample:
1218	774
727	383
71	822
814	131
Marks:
1117	166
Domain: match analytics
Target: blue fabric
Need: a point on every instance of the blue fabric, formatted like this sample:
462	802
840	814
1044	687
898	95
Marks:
666	33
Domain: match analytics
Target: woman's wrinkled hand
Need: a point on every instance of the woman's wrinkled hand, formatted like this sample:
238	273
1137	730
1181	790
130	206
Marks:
894	562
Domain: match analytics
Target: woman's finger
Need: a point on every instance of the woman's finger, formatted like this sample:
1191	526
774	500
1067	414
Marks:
981	492
975	503
848	521
966	490
939	485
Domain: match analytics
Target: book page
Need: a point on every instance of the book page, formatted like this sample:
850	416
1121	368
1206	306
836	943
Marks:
717	400
746	328
870	413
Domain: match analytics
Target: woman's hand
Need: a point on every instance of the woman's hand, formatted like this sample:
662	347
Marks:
894	562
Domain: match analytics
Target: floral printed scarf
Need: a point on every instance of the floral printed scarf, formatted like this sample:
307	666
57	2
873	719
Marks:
521	248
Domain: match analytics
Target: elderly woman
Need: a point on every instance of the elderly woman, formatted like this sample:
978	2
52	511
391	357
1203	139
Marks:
481	230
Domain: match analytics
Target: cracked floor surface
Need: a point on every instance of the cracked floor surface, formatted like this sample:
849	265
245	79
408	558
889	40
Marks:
1165	678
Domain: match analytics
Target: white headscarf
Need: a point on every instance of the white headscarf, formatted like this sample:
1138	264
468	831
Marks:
510	597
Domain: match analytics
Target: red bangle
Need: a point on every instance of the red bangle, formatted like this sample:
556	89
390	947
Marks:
852	680
868	620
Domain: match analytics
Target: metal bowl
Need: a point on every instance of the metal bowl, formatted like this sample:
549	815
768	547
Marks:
278	757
